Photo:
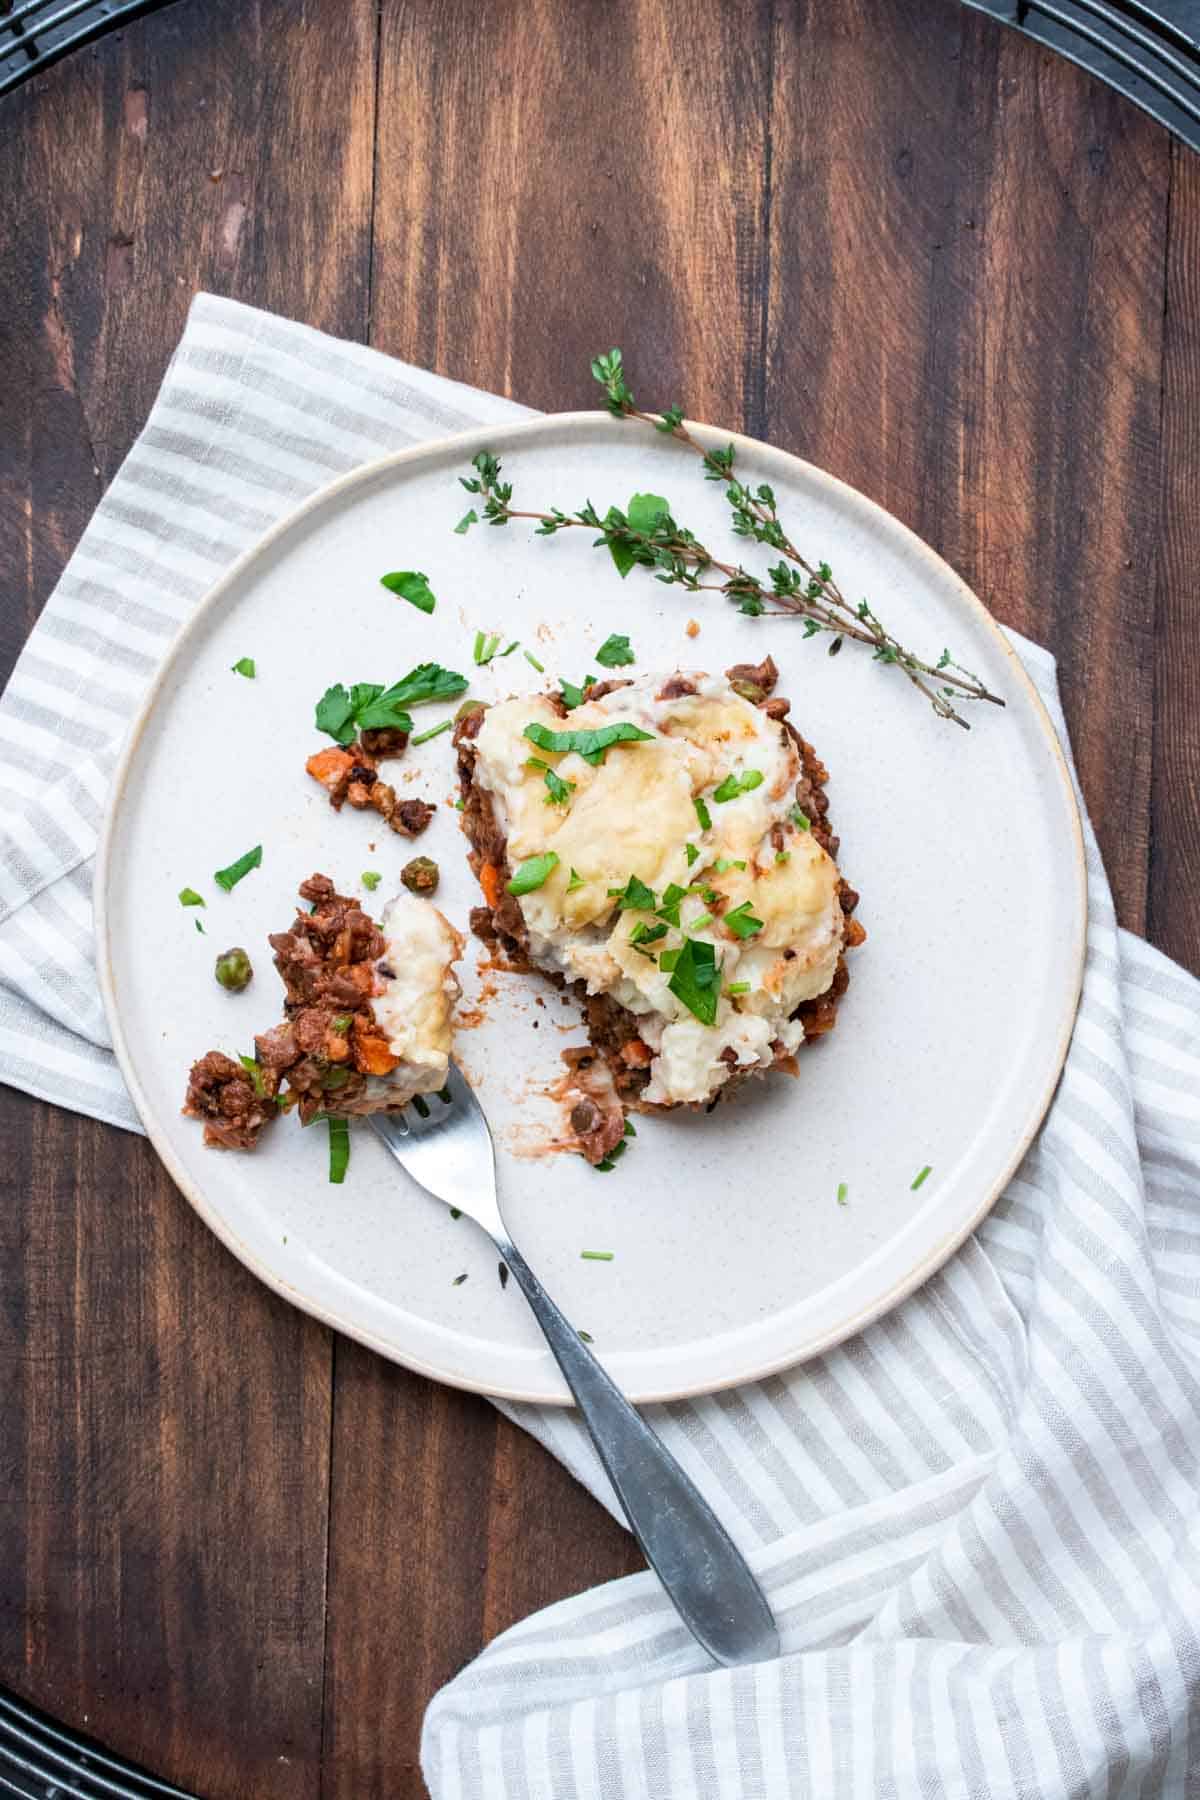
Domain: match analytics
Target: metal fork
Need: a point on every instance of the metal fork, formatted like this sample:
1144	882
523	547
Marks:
445	1145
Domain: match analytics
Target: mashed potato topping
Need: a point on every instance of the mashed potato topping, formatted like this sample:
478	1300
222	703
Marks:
417	989
689	837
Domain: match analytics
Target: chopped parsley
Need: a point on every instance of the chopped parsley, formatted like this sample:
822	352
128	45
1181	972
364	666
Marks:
733	785
199	927
669	910
615	652
434	731
596	1255
229	878
741	921
573	696
485	647
576	881
800	819
560	790
366	706
591	745
533	872
244	666
667	961
189	897
465	523
782	856
703	814
692	854
533	662
646	934
412	586
339	1150
922	1176
635	896
696	980
250	1064
724	863
842	1191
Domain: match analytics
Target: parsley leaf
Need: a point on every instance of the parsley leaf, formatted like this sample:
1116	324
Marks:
667	960
669	910
591	745
573	696
635	896
647	934
244	666
560	790
533	872
742	922
368	706
576	881
696	980
733	785
412	586
615	652
229	878
189	897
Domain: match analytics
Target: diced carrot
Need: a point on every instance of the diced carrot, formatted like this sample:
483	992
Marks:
489	881
637	1054
328	766
372	1055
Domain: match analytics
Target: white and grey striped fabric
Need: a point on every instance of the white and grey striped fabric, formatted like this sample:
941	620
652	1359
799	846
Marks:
979	1521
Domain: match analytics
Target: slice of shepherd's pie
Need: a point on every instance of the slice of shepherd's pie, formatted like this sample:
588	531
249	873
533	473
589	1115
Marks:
663	847
367	1026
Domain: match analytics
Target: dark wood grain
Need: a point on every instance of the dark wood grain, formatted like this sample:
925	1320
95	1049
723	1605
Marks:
917	249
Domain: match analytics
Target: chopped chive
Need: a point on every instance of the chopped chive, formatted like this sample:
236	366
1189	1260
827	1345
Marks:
199	927
459	1279
738	987
927	1170
724	863
339	1150
701	920
480	640
533	661
244	666
733	785
703	814
692	854
421	1105
576	881
229	878
434	731
515	645
596	1255
189	897
741	921
586	1336
800	818
842	1191
370	879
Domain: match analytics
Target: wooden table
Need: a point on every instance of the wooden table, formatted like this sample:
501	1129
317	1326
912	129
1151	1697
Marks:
887	235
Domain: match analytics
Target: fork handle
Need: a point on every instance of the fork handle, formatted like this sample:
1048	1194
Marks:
701	1568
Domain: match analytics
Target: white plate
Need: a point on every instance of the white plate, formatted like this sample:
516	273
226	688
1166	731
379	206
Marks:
731	1256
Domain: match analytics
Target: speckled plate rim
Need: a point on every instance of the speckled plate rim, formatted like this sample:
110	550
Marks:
873	516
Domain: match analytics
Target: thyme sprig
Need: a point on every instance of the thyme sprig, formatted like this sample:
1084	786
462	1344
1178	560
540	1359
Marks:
794	588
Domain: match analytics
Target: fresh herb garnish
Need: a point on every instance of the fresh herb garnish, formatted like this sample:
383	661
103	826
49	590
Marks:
339	1150
189	897
533	872
465	523
842	1192
647	934
724	863
342	712
610	1161
486	647
635	896
434	731
459	1279
586	1337
615	652
700	921
229	878
693	855
643	515
667	961
629	1130
703	814
371	879
560	791
800	819
533	662
738	987
926	1171
250	1064
244	666
591	745
596	1255
733	785
669	910
741	921
696	980
509	648
199	928
782	856
412	586
573	696
576	881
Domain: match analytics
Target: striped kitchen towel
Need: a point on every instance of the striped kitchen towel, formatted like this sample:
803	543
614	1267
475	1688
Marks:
978	1522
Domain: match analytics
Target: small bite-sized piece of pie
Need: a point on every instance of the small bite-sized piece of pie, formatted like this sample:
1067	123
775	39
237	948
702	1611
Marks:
664	849
367	1019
